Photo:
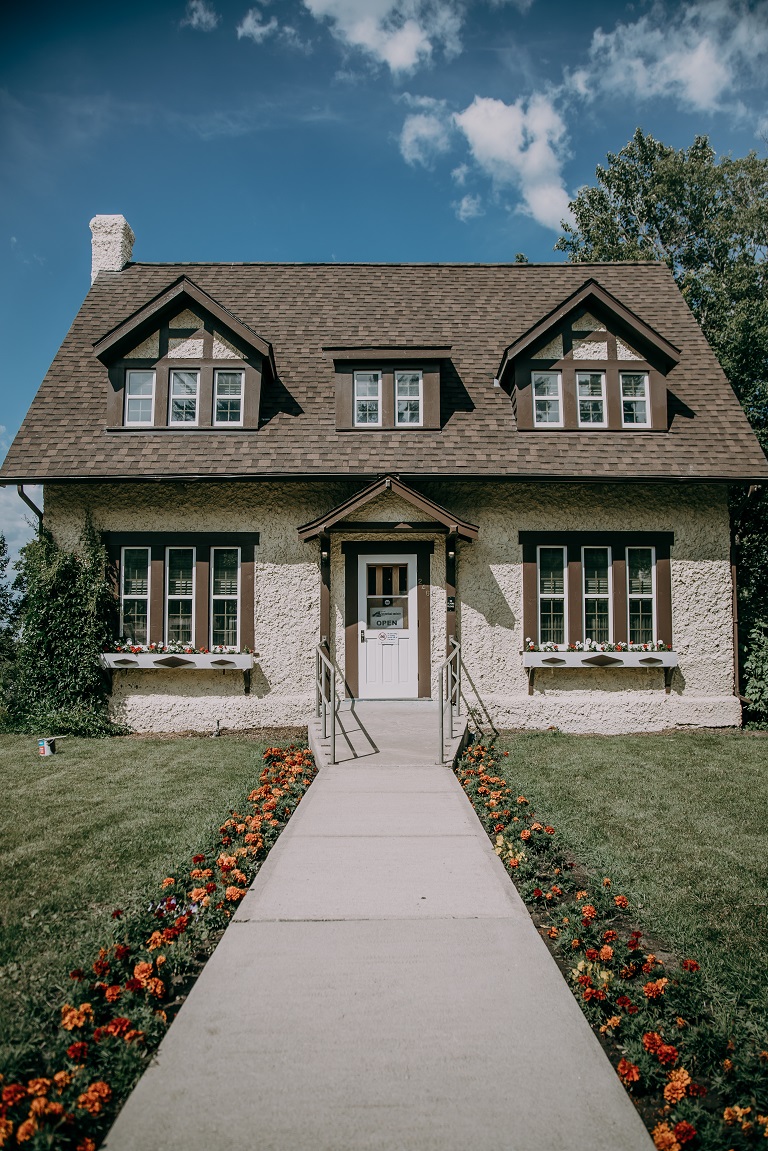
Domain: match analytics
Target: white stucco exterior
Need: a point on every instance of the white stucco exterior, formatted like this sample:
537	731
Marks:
489	599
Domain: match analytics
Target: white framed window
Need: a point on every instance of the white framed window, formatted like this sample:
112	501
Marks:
183	396
597	594
228	398
139	397
180	595
635	404
552	603
367	399
134	594
409	397
225	597
641	594
590	393
547	399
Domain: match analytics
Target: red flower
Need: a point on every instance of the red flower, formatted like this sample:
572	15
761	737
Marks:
78	1052
13	1094
591	953
537	893
198	859
628	1072
690	965
122	952
652	1041
623	1001
117	913
667	1054
133	985
684	1132
78	974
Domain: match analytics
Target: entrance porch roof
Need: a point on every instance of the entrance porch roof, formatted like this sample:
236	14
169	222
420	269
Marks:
447	519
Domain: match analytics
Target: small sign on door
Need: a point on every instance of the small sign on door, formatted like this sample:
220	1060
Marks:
388	637
386	617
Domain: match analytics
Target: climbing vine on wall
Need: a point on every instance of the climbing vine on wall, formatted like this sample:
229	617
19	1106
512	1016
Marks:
66	616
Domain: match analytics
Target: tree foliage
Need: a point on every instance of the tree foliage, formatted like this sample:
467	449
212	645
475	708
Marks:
6	609
66	609
707	219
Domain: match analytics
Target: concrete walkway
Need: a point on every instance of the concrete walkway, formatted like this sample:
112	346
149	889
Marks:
392	733
382	988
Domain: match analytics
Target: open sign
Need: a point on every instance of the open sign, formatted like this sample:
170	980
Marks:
386	617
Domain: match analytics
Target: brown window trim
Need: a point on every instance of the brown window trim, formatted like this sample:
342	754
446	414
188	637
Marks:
157	542
352	550
617	542
345	401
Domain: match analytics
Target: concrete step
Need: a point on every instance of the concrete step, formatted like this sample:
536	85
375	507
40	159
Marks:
388	733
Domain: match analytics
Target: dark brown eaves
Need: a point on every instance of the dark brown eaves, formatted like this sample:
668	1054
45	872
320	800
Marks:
401	352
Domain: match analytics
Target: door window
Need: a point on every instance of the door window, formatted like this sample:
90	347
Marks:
386	596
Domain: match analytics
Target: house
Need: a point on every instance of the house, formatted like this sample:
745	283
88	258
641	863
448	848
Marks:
532	459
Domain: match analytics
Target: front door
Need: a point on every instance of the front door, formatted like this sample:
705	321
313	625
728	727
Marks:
388	660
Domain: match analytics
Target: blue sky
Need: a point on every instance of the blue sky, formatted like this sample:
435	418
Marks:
332	130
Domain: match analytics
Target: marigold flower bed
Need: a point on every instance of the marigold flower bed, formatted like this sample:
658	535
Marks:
696	1088
120	1008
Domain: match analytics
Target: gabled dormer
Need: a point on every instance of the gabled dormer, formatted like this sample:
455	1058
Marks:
589	365
183	362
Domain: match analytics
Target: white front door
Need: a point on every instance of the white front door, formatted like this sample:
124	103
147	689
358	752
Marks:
388	659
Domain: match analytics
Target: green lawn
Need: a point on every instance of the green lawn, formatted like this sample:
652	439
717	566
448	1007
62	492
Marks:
679	823
91	828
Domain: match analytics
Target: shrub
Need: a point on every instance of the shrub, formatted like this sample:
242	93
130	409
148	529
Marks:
756	676
66	616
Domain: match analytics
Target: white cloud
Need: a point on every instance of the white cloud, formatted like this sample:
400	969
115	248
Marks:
468	208
460	174
520	146
426	133
201	16
402	34
17	522
252	26
700	54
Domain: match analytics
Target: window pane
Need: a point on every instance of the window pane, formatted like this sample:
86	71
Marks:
635	412
596	620
141	383
408	383
641	621
229	397
552	621
135	571
590	392
139	412
634	402
595	571
640	564
367	412
225	563
545	384
409	411
180	620
135	620
551	571
224	630
633	384
180	565
183	397
366	384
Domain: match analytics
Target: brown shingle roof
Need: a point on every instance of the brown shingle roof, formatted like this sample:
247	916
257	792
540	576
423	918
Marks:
479	310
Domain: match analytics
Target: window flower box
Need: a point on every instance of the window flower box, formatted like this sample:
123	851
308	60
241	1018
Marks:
602	656
177	658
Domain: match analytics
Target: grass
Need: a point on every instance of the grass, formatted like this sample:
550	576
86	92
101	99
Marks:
678	822
91	828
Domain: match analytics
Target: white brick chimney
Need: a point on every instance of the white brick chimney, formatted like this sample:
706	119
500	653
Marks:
112	244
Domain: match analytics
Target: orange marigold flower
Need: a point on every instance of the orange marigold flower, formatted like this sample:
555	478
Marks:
549	830
610	936
6	1130
668	1054
155	940
525	834
655	989
168	881
575	944
93	1099
155	987
580	895
606	882
610	1024
38	1086
553	933
13	1094
239	877
606	953
86	1144
664	1138
727	1066
588	913
677	1084
26	1130
113	993
652	1041
521	799
142	972
621	901
196	894
62	1079
628	1072
536	826
690	965
72	1017
735	1114
78	1052
681	1022
234	893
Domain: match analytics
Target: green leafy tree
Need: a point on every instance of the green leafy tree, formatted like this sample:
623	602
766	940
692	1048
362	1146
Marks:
6	608
66	616
707	219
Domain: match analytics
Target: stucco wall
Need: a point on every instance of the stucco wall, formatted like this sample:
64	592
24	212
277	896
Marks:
489	602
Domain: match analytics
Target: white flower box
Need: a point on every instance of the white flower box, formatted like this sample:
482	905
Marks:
175	661
616	659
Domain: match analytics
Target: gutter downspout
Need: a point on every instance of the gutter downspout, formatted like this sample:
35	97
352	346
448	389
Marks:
38	511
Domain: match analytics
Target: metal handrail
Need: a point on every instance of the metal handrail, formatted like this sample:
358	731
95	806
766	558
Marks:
449	675
325	695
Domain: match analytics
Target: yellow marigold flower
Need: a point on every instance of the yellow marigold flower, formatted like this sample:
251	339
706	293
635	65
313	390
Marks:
72	1017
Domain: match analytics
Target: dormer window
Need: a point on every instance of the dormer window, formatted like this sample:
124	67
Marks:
229	398
184	396
367	399
140	398
590	387
634	399
548	399
408	398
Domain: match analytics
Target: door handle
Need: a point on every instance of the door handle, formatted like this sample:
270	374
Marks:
362	635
